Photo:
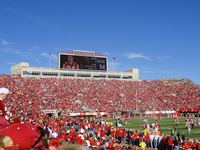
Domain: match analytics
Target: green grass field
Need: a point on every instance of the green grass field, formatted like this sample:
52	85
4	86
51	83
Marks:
166	125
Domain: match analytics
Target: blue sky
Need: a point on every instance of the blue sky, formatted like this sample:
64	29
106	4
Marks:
161	38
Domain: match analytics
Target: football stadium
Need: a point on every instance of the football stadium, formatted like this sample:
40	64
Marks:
82	104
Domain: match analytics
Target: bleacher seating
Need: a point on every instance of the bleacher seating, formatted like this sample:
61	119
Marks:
101	94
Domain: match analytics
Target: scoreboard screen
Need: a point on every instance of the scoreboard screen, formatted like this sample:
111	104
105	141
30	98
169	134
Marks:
67	61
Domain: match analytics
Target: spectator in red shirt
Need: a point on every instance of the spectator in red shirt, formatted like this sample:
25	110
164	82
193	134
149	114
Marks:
3	94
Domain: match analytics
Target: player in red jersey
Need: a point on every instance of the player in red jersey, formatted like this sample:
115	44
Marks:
70	64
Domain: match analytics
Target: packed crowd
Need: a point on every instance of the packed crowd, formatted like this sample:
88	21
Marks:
92	133
29	96
101	95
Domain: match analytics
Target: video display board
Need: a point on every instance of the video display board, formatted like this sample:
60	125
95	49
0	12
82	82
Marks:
82	62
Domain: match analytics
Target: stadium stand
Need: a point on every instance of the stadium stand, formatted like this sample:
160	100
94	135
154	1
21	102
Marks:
29	96
99	95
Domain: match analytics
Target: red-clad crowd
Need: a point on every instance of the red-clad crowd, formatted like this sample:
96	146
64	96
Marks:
101	95
29	96
97	134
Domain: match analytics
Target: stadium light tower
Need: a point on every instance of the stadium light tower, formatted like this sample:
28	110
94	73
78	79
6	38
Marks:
113	63
49	59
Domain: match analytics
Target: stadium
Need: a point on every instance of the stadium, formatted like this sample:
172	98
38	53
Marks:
83	102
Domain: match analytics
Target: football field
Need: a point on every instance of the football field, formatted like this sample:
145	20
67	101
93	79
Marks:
166	125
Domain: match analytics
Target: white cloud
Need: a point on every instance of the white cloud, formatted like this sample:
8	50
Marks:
3	42
7	47
54	57
45	55
11	63
136	56
49	55
10	50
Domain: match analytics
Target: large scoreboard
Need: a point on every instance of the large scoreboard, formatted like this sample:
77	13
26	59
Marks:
82	60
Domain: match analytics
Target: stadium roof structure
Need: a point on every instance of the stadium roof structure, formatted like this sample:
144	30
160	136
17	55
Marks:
24	70
80	52
76	63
